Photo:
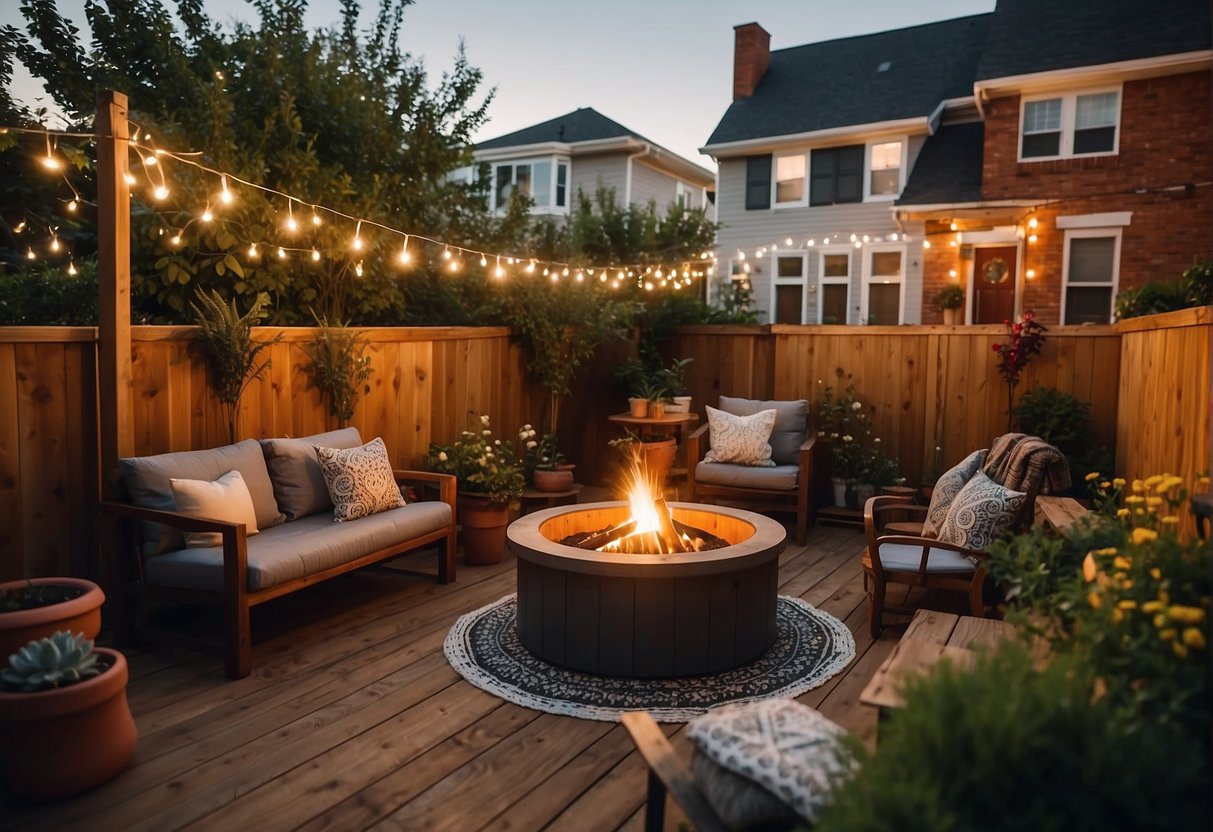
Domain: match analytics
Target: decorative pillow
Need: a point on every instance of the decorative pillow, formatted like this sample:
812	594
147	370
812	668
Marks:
299	486
946	489
741	440
359	480
981	512
787	748
791	424
226	498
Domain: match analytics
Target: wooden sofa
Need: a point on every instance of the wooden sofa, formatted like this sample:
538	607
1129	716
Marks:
296	547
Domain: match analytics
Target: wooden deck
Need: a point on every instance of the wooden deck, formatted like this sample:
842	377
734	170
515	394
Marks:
352	718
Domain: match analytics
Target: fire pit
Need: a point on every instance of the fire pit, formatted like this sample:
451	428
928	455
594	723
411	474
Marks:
680	613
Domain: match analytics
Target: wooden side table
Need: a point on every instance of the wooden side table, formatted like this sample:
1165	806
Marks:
532	499
645	426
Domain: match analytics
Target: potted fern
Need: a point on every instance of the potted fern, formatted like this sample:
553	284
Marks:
225	338
339	367
63	712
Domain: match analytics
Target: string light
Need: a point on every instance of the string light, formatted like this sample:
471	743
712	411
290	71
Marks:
1031	273
358	268
315	256
160	193
71	268
73	205
315	218
207	216
29	255
49	161
130	180
446	253
292	225
175	240
281	253
252	251
1031	238
499	272
356	243
926	243
55	245
483	261
1032	223
405	257
225	196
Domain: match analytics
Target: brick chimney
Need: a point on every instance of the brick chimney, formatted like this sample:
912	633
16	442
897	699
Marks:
751	56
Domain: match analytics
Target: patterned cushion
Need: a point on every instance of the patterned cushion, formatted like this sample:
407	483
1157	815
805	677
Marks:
787	748
742	440
226	498
791	424
946	489
981	512
360	480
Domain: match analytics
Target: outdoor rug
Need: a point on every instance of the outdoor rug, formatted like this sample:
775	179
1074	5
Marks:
483	647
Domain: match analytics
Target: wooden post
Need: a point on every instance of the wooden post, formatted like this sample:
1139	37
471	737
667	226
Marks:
114	282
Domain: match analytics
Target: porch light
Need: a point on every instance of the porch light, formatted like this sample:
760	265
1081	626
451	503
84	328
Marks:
1031	238
1030	273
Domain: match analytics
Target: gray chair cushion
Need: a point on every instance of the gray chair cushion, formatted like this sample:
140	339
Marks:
298	481
147	479
904	557
299	548
791	424
779	478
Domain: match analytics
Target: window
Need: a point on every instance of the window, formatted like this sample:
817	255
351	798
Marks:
1070	125
758	183
835	294
789	180
1091	269
884	169
682	195
562	185
883	279
788	288
534	178
836	175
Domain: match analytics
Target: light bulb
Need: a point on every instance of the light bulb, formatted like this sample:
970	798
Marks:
292	224
483	261
580	277
858	244
315	219
161	193
225	196
812	242
71	267
73	205
446	254
602	278
530	267
55	246
252	250
658	275
952	273
1031	238
453	265
175	239
853	238
207	216
555	277
648	286
358	268
954	226
1031	273
130	180
788	242
281	253
926	243
865	238
315	256
148	161
498	272
564	272
29	255
405	257
1032	223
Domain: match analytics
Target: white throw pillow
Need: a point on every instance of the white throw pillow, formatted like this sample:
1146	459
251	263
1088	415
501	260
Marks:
360	480
946	488
741	440
227	499
981	512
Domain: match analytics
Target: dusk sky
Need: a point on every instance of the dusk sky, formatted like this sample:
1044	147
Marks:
663	68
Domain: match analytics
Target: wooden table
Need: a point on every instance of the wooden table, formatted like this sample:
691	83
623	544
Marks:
646	425
931	637
1058	513
533	498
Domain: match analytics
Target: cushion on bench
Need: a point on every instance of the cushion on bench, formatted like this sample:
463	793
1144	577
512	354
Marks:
779	478
147	480
791	423
299	548
295	473
904	557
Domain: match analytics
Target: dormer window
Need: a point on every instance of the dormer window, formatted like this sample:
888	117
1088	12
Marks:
1062	126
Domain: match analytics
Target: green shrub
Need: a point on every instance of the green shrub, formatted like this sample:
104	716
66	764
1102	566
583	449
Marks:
48	296
1193	288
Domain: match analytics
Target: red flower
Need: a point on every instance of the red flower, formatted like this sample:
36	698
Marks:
998	348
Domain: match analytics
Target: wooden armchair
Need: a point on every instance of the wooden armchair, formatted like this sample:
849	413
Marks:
668	774
786	487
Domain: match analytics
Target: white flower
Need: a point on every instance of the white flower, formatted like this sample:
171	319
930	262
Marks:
821	433
877	439
856	406
488	453
496	441
531	444
483	462
442	456
833	435
847	438
486	432
526	427
484	420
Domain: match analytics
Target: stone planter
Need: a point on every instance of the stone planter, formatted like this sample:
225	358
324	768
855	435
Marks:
482	528
547	479
76	615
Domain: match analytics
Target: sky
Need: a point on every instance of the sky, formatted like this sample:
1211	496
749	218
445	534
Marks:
662	68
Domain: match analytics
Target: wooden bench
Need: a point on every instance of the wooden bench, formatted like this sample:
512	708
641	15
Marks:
1058	513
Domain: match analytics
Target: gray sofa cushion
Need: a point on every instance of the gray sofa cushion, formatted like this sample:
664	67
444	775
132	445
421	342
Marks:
299	548
791	424
298	481
779	478
905	557
147	479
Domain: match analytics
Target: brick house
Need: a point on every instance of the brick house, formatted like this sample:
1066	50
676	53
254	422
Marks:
1078	164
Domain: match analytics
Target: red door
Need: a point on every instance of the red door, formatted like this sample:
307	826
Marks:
993	285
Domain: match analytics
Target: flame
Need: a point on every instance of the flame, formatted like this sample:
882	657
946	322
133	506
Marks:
651	535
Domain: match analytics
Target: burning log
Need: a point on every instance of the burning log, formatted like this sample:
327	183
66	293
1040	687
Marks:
668	535
609	535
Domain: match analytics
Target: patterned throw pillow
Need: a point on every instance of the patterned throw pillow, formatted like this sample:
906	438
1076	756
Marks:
741	440
783	746
226	498
946	489
981	512
360	480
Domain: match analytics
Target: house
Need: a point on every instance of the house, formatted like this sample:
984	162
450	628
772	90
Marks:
582	150
1044	156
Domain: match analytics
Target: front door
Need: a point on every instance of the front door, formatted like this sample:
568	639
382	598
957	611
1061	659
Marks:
993	285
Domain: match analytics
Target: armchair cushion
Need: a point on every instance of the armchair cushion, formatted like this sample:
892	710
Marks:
981	511
360	480
791	424
905	557
226	498
946	489
299	485
779	478
741	440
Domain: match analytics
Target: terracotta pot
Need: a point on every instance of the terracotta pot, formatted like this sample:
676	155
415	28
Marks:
657	410
67	740
658	458
552	480
482	529
79	615
638	408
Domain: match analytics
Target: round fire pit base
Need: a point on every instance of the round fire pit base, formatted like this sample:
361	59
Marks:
647	616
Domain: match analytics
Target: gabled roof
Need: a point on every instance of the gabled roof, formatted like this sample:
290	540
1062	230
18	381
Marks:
948	169
582	125
839	83
1031	36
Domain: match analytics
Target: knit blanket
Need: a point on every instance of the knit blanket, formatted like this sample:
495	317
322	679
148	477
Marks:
1028	464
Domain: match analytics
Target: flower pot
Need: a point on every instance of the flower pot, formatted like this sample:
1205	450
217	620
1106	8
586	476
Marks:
863	492
658	458
951	317
656	410
840	491
67	740
547	479
77	615
482	529
638	408
681	404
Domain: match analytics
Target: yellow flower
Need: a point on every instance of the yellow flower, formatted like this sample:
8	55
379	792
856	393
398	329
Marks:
1186	615
1151	607
1121	562
1180	651
1134	499
1091	477
1138	486
1118	482
1160	621
1171	520
1154	480
1105	484
1156	573
1127	604
1167	634
1111	550
1089	569
1194	638
1141	536
1118	616
1122	512
1168	483
1154	501
1094	600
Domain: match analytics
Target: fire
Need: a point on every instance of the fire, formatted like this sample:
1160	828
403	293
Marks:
651	528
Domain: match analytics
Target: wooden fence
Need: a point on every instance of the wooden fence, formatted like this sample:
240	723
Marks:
1147	381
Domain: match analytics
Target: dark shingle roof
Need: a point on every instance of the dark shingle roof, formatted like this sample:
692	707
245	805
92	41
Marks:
1028	36
837	83
948	169
582	125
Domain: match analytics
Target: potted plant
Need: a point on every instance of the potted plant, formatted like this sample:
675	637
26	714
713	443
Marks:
844	428
490	481
63	711
950	299
658	398
673	378
339	367
35	608
633	377
543	461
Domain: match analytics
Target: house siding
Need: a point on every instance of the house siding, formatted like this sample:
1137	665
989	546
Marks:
750	230
606	169
650	183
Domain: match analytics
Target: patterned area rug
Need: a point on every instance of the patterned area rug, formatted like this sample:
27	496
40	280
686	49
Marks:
483	647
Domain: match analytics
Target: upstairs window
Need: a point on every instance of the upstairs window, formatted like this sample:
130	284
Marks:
790	180
836	175
758	183
545	181
1062	126
884	169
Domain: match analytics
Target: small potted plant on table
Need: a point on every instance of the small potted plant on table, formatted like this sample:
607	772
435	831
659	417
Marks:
673	378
